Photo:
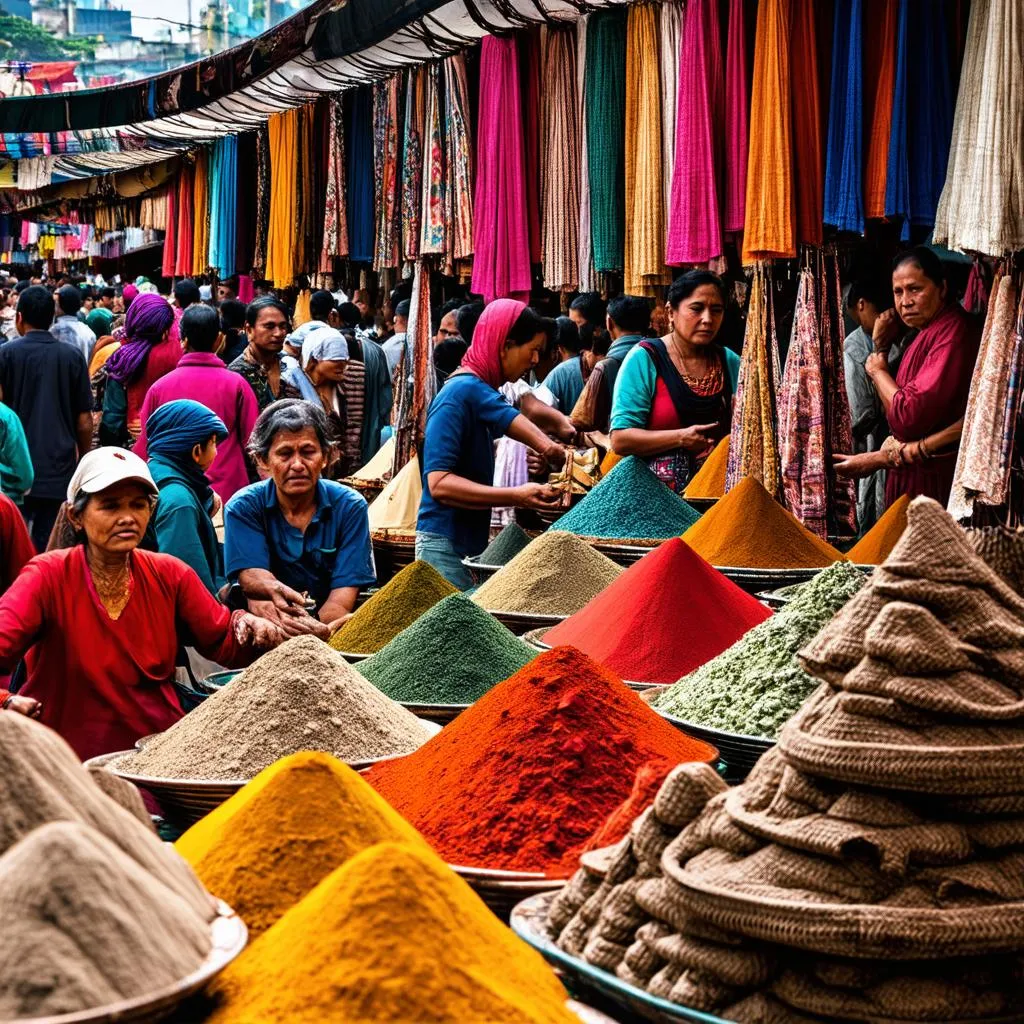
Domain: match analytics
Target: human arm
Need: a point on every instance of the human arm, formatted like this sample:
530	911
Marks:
865	406
877	369
894	454
549	420
459	492
24	609
16	458
338	607
522	429
27	706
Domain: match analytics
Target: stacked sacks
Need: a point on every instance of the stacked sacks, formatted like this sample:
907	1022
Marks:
871	866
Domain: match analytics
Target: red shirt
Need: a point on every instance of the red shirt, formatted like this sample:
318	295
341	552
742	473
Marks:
15	543
103	683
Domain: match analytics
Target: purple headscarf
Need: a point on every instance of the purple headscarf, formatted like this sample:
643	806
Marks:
148	320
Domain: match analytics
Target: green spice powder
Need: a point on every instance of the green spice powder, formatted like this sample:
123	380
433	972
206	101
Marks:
756	686
630	503
505	546
451	655
398	604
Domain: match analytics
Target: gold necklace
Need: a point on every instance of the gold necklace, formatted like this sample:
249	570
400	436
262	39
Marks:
114	587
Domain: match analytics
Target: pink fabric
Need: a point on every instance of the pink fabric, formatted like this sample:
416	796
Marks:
501	262
203	377
246	292
129	294
163	357
694	224
483	358
663	410
736	119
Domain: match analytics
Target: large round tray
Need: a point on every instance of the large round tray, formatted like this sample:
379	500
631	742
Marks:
527	920
622	553
442	714
187	800
755	580
524	622
502	890
228	936
480	572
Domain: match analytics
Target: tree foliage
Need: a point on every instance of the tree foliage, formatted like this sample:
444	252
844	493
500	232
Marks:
21	40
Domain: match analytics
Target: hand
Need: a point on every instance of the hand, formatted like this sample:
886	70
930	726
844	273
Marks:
555	454
287	600
860	465
877	362
291	622
697	438
538	496
536	464
886	328
27	706
261	633
334	626
566	430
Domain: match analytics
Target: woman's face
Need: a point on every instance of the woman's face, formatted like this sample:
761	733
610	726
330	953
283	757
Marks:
698	317
918	298
115	520
518	360
295	461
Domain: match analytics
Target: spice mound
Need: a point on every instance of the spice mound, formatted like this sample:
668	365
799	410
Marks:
452	655
755	686
391	935
749	529
630	503
505	546
709	480
557	574
85	925
521	780
876	545
301	696
279	835
396	506
664	616
399	603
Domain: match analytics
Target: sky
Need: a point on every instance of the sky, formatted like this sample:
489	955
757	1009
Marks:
144	13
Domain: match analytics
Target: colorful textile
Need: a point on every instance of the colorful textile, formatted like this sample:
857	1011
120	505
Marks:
669	31
736	123
694	219
844	203
458	190
223	204
605	98
1014	390
501	265
185	223
529	81
201	213
645	272
335	241
170	236
263	193
359	173
585	256
879	83
483	357
282	131
412	161
769	229
432	219
385	172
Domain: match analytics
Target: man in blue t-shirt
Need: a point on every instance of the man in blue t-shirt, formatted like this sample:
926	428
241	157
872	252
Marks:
296	545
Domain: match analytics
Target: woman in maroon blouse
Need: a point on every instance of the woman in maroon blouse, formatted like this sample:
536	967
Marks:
926	401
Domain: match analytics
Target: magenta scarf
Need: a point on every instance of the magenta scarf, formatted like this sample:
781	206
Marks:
483	357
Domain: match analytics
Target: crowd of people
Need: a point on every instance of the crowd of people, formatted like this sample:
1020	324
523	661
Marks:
170	465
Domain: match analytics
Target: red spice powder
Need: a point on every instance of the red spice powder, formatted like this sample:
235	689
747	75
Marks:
645	788
665	616
522	779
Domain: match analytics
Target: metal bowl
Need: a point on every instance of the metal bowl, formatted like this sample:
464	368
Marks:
185	801
622	552
392	552
524	622
755	580
228	937
701	505
442	714
480	572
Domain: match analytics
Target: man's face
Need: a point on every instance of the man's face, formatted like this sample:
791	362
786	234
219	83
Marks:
224	292
269	331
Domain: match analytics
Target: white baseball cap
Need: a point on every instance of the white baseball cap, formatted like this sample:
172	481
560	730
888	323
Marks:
103	467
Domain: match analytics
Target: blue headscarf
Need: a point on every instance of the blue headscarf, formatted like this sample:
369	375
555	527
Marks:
172	430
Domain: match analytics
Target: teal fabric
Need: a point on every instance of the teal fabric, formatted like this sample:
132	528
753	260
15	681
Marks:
16	472
634	388
565	382
114	422
182	522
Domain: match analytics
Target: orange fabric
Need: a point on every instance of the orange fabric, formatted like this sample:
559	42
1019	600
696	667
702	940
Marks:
879	81
770	228
808	144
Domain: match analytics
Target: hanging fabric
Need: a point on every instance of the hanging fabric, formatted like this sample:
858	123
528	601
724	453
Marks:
769	209
359	173
982	204
412	161
560	181
501	264
170	237
753	450
669	30
282	133
976	291
223	205
458	133
585	256
605	140
432	235
186	225
736	123
979	473
844	203
645	272
308	200
201	213
808	144
335	241
411	403
529	80
880	18
385	172
245	202
263	191
694	218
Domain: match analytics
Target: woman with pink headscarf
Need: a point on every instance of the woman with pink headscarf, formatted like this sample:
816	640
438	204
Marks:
465	419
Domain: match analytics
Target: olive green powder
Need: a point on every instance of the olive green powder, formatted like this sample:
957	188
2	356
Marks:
505	546
756	686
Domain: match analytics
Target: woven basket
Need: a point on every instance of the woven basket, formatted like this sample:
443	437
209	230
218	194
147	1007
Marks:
392	552
369	489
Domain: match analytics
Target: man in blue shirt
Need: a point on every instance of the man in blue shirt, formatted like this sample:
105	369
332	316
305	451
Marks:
296	543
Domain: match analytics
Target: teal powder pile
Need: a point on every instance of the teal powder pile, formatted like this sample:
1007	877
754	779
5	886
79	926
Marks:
453	654
756	686
505	546
630	503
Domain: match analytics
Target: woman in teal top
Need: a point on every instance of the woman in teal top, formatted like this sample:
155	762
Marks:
181	442
673	395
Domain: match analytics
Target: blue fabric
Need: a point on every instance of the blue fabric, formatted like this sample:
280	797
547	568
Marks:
844	163
294	375
359	195
333	552
439	552
176	427
897	172
223	204
16	472
565	382
463	422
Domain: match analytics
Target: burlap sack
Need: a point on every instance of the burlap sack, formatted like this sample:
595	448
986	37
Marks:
700	991
649	838
739	966
574	936
714	828
762	1008
641	962
620	914
685	791
1003	552
662	982
604	954
569	899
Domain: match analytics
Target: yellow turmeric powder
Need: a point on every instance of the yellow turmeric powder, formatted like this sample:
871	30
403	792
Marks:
709	480
877	544
392	935
609	462
291	826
